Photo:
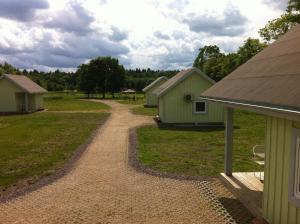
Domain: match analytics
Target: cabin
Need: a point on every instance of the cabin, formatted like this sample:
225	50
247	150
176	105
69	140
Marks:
179	101
151	98
268	84
19	94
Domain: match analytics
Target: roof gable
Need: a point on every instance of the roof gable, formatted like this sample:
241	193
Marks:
178	78
272	77
24	83
155	82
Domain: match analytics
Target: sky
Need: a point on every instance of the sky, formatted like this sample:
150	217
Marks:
157	34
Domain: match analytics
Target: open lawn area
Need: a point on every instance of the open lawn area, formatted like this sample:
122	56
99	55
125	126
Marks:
200	153
137	101
64	102
37	145
141	110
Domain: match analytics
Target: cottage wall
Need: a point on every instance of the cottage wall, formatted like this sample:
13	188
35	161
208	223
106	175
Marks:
276	206
173	108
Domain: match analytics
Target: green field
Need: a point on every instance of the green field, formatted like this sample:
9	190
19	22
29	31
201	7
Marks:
140	110
66	104
201	153
36	145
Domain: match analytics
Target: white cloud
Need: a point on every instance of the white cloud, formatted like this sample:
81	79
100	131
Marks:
143	33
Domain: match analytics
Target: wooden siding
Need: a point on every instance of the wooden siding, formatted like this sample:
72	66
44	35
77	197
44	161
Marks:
174	109
8	96
39	102
276	206
151	98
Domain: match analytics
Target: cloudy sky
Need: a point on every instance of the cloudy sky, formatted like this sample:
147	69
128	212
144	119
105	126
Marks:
160	34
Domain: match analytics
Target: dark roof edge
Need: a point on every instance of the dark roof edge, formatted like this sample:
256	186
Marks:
257	106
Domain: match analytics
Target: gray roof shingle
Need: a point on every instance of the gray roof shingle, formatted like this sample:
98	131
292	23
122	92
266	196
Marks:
271	78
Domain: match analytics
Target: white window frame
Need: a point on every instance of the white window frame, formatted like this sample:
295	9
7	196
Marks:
294	180
200	112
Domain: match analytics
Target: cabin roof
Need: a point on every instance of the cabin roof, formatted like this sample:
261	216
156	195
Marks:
24	83
154	83
179	77
271	78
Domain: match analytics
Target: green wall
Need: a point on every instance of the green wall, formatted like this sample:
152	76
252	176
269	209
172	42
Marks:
276	207
151	98
9	102
7	96
174	109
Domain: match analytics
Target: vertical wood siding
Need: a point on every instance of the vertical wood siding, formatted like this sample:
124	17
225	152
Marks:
276	207
174	109
7	96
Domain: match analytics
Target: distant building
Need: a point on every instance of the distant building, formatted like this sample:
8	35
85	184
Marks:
128	91
151	98
179	100
20	94
269	84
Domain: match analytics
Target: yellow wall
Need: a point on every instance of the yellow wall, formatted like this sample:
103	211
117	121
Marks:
39	102
7	96
9	102
276	207
174	109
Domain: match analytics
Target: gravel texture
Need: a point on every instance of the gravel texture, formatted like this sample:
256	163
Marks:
103	188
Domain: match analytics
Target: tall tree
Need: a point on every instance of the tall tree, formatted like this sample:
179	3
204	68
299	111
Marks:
250	48
101	75
205	53
277	27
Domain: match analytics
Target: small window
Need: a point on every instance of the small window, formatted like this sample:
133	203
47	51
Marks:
294	188
200	107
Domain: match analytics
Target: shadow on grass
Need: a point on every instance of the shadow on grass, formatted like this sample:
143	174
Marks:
193	127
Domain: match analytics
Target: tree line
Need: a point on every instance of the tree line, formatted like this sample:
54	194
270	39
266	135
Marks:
106	75
217	65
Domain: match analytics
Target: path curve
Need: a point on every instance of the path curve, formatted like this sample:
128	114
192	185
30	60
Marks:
103	188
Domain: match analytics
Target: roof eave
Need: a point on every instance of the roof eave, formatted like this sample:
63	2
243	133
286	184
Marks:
154	83
184	77
263	109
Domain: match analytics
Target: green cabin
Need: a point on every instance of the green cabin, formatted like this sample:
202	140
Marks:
269	84
179	100
151	98
20	94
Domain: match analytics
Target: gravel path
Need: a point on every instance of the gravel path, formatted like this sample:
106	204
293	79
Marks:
103	188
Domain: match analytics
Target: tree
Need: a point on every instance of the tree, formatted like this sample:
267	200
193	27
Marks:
102	74
250	48
205	53
277	27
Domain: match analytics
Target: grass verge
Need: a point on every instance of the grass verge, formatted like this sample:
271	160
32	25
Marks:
37	145
200	153
71	104
145	111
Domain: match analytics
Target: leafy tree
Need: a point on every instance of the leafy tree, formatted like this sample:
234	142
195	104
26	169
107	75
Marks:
250	48
217	65
205	53
102	74
277	27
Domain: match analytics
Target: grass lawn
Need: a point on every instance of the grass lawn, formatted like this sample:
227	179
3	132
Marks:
36	145
65	103
138	101
201	153
144	111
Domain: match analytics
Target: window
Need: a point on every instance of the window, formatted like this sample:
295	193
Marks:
294	183
200	107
